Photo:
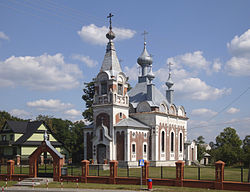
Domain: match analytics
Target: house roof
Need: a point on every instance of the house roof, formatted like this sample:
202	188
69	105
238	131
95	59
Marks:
30	129
17	126
130	122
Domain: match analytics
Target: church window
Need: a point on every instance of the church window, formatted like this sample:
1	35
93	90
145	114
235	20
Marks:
144	148
162	141
172	141
104	88
133	148
145	135
180	142
120	90
120	115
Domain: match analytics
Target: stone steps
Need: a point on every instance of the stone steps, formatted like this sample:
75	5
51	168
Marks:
33	181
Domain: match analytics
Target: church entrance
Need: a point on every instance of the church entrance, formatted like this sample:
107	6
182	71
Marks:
45	166
101	153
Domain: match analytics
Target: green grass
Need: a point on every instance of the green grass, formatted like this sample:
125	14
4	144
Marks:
10	183
123	187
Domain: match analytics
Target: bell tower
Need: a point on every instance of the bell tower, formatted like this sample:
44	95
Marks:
111	101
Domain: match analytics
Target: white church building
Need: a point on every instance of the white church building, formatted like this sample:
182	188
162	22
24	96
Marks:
138	124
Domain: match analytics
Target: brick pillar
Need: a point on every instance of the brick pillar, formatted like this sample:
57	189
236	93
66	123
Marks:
10	168
219	174
145	172
113	171
179	173
85	170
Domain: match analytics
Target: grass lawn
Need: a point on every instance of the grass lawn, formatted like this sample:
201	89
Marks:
124	187
10	183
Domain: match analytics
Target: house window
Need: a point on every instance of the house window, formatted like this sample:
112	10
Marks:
145	148
11	137
133	148
180	142
162	141
104	88
3	137
120	90
172	141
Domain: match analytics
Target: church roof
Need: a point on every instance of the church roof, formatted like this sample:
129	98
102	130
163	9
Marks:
139	94
110	61
130	122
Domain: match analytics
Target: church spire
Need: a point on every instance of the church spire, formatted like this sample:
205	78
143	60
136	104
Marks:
169	83
110	61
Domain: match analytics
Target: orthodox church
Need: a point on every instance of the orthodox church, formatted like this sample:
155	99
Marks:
137	124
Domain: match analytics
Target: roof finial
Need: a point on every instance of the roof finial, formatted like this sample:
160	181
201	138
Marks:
110	22
144	34
110	35
169	67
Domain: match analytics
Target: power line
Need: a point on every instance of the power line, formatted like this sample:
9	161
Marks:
223	109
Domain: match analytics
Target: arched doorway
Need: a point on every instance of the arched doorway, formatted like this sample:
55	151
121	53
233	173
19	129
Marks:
101	153
46	147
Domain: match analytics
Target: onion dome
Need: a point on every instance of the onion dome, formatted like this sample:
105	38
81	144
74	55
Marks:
145	59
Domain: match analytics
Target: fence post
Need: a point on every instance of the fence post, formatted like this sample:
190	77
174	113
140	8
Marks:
179	173
219	174
113	171
85	170
10	168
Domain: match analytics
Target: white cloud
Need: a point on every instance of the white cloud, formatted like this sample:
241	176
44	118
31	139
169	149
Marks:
239	64
45	72
19	113
132	73
233	110
203	112
73	112
216	65
3	36
193	60
240	46
85	59
195	88
51	104
96	35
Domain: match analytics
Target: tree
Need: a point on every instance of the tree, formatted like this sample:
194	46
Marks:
200	148
4	116
246	151
228	147
88	97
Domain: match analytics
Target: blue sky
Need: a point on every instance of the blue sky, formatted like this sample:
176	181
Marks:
48	49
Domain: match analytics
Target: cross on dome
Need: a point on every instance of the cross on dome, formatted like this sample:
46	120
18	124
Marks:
110	21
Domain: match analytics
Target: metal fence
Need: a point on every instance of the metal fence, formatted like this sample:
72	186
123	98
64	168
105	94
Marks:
99	170
21	169
239	174
3	169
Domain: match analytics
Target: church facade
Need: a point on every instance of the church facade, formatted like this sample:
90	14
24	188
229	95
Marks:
137	124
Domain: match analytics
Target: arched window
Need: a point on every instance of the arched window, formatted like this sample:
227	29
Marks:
180	142
162	141
172	141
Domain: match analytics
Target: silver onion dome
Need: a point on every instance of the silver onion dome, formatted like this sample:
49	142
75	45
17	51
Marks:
145	59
